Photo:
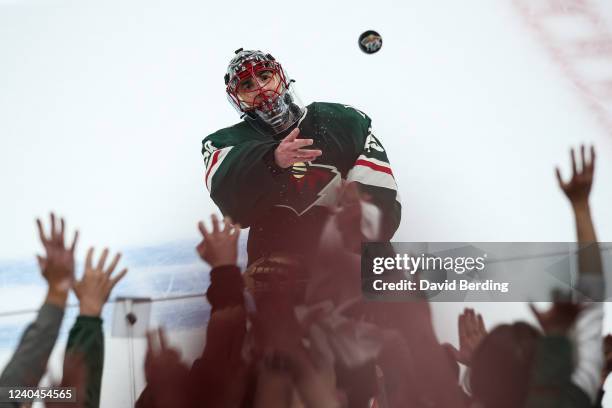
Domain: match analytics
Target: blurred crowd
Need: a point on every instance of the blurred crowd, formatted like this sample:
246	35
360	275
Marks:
283	335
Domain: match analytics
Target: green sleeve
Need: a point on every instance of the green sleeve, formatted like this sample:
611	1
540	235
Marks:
87	340
372	171
550	383
241	176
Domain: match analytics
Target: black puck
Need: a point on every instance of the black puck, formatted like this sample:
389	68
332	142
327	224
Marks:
370	42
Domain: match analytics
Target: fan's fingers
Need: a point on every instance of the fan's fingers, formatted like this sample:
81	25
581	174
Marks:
53	230
469	322
215	223
74	241
150	340
62	231
163	341
203	229
227	225
115	279
573	158
559	178
474	324
535	312
88	259
481	325
236	231
461	326
41	232
102	260
113	264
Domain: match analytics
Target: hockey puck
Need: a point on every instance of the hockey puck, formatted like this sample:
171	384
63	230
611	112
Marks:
370	42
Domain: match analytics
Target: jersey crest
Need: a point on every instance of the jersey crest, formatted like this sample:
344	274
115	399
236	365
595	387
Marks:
309	185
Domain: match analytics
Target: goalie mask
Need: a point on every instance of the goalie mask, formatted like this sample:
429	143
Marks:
258	87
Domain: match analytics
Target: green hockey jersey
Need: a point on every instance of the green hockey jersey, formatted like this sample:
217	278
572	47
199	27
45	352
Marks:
286	210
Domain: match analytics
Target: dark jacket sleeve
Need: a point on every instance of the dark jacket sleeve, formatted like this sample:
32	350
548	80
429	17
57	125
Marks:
86	339
226	287
551	384
208	378
29	361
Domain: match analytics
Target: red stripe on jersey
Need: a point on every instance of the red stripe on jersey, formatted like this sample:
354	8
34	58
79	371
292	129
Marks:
212	164
374	166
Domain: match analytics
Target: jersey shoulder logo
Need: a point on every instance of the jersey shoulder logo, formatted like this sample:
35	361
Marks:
372	143
207	150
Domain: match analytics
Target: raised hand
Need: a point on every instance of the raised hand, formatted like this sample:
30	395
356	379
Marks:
314	376
57	266
578	188
220	246
279	369
560	317
166	374
97	283
577	191
290	150
311	370
348	218
471	332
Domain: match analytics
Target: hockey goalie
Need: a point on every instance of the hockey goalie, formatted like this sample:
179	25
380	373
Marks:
287	169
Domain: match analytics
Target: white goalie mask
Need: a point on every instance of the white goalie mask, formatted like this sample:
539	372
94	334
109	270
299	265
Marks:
260	90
